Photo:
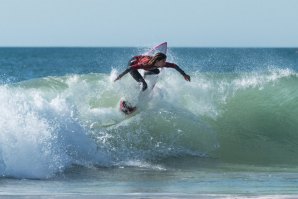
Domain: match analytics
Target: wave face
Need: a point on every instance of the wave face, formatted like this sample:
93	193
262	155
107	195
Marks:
48	124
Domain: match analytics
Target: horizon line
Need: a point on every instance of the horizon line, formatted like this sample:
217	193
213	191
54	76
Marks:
77	46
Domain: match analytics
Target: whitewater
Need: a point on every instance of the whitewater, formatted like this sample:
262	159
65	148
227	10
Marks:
235	122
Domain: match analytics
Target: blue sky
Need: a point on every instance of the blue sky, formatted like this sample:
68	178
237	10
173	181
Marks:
194	23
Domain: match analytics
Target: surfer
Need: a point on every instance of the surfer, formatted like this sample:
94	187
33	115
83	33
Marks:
151	65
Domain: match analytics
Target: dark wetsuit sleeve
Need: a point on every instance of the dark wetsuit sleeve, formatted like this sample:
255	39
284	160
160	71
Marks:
124	73
175	66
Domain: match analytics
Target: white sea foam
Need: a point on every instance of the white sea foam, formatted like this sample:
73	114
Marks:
38	137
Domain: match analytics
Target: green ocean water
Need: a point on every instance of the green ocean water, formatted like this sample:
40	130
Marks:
231	131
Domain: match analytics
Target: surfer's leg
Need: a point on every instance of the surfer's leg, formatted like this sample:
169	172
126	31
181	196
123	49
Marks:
138	77
152	72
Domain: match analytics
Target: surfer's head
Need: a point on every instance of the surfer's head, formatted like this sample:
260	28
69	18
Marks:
159	60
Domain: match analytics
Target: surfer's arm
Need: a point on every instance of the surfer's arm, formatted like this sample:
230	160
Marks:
123	73
175	66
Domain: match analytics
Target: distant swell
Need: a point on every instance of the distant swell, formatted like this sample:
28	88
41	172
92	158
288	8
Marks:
49	124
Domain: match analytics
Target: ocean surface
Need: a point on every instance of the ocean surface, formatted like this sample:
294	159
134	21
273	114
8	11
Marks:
230	132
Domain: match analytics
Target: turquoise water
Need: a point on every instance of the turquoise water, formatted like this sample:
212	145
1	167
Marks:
231	131
183	179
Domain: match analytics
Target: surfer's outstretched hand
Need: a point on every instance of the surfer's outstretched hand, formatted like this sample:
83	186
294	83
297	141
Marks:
187	77
117	79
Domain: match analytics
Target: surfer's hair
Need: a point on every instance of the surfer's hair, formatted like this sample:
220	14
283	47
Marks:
157	57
